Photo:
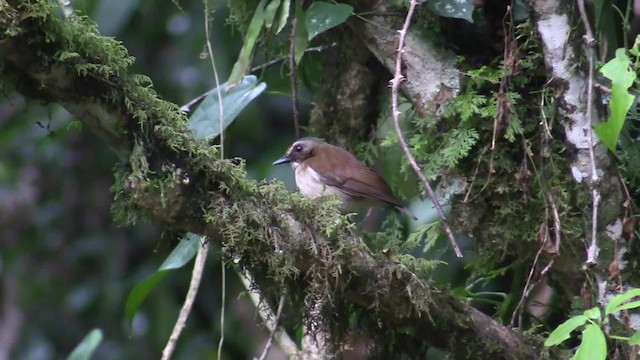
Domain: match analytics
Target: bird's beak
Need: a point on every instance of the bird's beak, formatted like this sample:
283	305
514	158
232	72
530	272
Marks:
282	160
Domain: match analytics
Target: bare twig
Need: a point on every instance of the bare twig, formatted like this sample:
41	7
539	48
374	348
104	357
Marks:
215	76
223	275
283	339
592	252
196	276
293	77
223	293
275	328
395	85
283	58
266	314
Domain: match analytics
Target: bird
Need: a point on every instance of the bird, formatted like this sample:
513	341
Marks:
322	169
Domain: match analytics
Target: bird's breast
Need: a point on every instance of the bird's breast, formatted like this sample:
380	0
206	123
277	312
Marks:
310	183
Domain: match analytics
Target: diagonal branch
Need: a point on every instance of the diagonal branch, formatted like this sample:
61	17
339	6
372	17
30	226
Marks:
395	85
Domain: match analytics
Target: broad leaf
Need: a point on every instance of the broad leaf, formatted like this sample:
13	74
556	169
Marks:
635	339
182	254
322	16
593	313
457	9
270	13
614	304
619	71
246	53
521	10
205	121
629	305
593	345
284	15
301	34
87	346
563	331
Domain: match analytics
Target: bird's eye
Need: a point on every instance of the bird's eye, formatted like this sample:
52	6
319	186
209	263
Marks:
297	148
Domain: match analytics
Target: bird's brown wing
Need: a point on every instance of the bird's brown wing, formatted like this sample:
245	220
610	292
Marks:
340	169
369	184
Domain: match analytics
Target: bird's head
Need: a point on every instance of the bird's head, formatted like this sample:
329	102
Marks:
300	151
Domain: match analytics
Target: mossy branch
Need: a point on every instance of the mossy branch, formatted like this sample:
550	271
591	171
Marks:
284	241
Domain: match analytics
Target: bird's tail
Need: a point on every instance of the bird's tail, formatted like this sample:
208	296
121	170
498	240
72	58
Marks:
405	211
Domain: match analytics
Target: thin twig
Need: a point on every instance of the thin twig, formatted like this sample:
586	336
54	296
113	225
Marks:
395	85
196	276
592	253
223	275
215	76
187	107
293	77
282	338
223	293
283	58
275	328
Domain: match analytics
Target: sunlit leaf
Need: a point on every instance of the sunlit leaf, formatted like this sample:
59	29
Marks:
614	304
635	339
629	305
563	331
322	16
619	71
270	13
182	254
593	313
205	121
457	9
301	34
246	53
593	345
87	346
284	15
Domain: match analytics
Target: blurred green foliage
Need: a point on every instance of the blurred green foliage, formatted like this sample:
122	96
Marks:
66	267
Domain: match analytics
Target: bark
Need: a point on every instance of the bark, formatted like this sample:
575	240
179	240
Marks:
591	166
282	240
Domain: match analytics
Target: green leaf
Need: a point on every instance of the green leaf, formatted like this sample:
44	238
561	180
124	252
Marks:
614	304
301	34
322	16
140	292
284	15
629	305
635	339
563	331
457	9
593	313
622	77
205	121
246	53
182	254
521	10
593	345
87	346
270	13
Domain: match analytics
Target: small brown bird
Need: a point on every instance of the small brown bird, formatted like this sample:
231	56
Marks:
324	169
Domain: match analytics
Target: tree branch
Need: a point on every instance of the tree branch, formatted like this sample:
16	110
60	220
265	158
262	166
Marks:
184	183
